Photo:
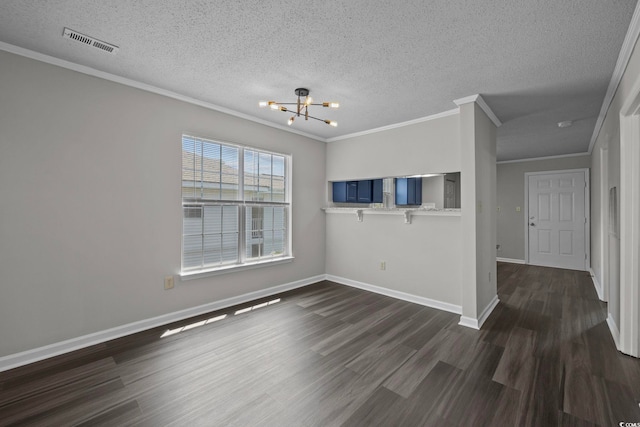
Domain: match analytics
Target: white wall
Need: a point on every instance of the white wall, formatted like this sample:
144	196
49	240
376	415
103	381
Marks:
90	219
428	147
433	190
478	145
510	196
423	257
486	281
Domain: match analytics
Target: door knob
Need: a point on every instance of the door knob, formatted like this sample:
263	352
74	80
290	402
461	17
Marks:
532	224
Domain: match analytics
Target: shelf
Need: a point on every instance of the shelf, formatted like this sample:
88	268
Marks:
407	213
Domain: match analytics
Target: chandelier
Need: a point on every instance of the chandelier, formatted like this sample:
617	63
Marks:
302	107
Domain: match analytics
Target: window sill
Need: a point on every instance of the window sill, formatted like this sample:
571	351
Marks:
197	274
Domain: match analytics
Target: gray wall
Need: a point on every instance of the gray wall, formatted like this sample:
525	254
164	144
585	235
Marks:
510	185
478	176
90	219
429	147
433	190
422	258
486	281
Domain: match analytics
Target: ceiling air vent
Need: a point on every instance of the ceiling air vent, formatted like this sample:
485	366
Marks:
89	41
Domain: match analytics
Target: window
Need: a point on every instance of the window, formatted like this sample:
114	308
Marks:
235	205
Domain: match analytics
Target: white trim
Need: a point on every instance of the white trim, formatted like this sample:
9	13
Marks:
198	274
470	322
629	43
630	222
533	159
159	91
428	302
587	211
510	260
604	222
146	87
482	104
396	125
488	310
392	211
587	215
596	284
30	356
613	328
526	218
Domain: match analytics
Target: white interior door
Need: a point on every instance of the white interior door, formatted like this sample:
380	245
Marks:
557	220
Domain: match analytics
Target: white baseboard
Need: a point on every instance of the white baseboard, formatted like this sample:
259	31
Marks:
615	332
596	284
428	302
35	355
488	310
510	260
470	322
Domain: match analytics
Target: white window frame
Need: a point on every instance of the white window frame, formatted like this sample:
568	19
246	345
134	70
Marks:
243	263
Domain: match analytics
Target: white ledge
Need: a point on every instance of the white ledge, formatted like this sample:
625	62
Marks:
197	274
406	212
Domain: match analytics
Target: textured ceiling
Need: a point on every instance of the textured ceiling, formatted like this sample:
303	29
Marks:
534	62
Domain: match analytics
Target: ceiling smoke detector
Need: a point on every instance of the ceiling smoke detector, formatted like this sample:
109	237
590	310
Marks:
89	41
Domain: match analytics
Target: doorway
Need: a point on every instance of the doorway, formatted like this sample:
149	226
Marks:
557	219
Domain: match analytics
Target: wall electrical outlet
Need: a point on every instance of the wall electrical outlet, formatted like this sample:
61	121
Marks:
517	208
168	282
383	265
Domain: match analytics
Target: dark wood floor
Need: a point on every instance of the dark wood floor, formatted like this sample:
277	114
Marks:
333	355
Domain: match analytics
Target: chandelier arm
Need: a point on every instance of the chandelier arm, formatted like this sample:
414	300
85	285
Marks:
310	117
315	118
294	103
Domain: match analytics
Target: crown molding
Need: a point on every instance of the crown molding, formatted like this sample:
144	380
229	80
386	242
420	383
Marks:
396	125
482	104
626	50
146	87
533	159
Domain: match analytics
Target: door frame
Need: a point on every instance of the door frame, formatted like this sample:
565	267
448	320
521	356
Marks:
604	224
587	211
630	222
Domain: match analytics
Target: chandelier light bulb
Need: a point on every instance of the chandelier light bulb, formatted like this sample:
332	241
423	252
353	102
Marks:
263	104
331	104
331	123
291	119
274	106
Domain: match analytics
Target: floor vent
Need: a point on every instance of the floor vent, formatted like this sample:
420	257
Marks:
89	41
